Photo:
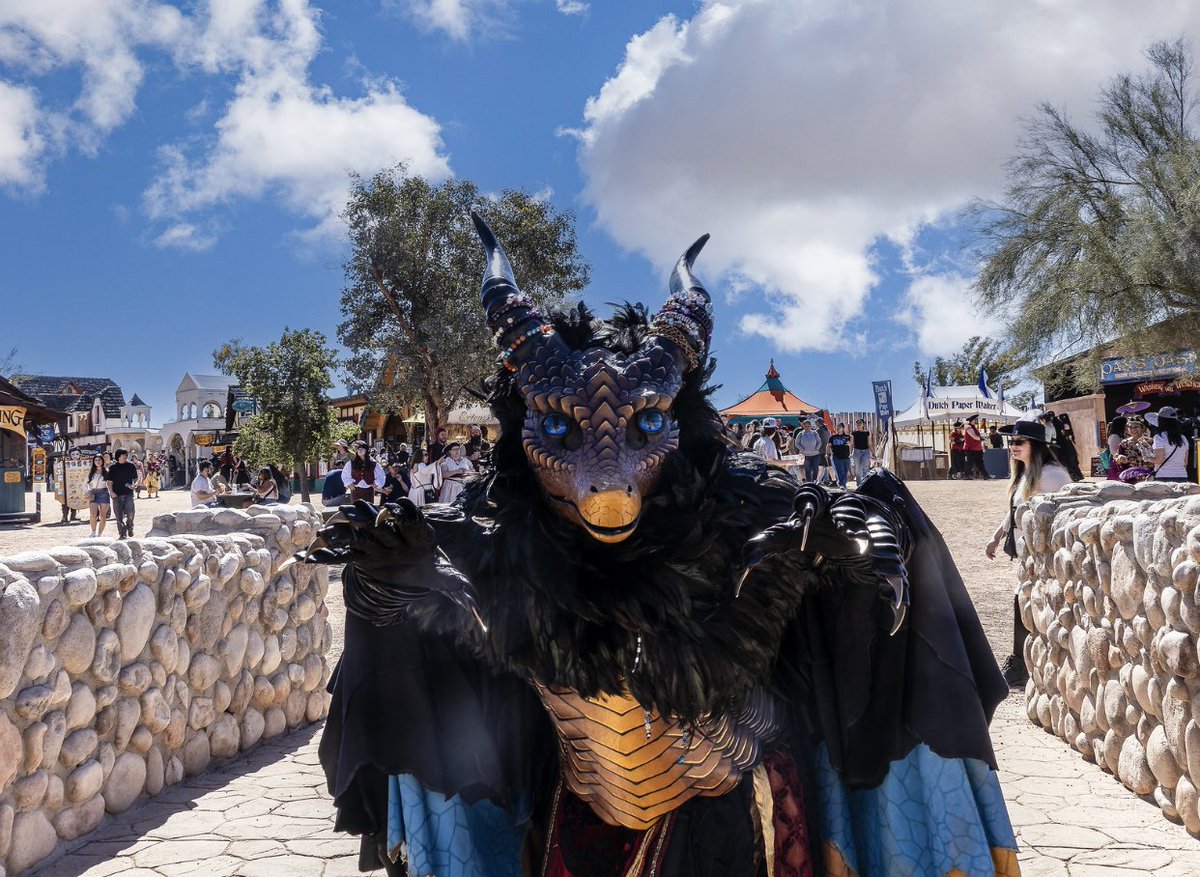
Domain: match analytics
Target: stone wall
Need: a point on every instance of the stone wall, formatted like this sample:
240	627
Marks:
127	666
1108	590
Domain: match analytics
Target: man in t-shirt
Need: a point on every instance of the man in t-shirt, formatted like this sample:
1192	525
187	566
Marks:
437	447
808	443
765	447
973	449
860	452
122	481
839	450
204	492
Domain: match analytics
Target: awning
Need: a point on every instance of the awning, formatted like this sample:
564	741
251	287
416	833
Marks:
948	404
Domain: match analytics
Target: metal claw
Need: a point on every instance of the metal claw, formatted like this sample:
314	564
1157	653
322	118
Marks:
900	612
737	589
808	518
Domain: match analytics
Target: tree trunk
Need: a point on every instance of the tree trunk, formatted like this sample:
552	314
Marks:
305	471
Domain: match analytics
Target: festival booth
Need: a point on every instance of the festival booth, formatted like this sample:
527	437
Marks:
772	399
923	429
21	457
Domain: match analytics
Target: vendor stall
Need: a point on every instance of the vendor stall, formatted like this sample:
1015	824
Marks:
925	427
21	415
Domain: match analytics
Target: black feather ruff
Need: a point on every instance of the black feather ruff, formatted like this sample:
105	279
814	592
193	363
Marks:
568	610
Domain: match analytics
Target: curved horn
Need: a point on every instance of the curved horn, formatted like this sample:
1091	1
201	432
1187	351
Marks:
686	318
511	316
681	278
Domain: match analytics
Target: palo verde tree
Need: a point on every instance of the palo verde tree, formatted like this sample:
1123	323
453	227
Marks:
412	319
288	379
1096	243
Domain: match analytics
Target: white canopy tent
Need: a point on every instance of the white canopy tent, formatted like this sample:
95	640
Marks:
947	404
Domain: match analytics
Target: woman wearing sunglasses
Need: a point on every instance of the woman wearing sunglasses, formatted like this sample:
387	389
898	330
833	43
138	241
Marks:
1035	470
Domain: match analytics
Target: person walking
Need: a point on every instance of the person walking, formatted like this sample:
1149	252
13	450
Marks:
153	476
362	475
861	451
97	488
1170	446
425	479
141	476
839	451
808	443
1034	469
122	480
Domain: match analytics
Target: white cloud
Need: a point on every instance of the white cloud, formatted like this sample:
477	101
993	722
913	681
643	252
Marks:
572	7
101	40
460	20
938	310
21	144
801	133
279	135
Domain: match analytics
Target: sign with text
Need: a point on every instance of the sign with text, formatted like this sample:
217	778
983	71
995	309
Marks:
978	405
70	482
883	401
1123	369
12	418
37	462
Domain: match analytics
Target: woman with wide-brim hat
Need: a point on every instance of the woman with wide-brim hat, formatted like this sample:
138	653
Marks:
1170	445
1034	470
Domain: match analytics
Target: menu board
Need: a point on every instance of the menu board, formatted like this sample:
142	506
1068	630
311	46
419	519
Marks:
70	482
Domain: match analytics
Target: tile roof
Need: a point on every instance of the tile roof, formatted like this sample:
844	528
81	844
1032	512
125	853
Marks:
212	382
57	391
136	402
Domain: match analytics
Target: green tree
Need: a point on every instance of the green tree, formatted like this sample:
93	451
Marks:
1096	242
1003	363
288	379
412	320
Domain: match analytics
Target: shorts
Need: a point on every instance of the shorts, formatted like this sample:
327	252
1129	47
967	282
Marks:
100	498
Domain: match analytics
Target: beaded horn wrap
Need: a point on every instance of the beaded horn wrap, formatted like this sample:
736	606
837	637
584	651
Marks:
517	327
686	320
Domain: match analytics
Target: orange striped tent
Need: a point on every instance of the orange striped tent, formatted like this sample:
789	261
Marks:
772	399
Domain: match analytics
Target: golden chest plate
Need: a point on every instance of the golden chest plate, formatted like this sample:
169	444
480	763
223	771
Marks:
633	766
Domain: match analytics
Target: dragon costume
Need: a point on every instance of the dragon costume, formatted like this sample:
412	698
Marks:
632	650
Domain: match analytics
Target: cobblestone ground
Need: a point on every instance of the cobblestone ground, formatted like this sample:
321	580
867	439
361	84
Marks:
268	813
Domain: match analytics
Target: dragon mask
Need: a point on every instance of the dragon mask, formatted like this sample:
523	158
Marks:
598	423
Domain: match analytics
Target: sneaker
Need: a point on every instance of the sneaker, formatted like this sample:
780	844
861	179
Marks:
1014	671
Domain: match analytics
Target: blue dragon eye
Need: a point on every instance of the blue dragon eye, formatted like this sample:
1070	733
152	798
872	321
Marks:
555	425
651	421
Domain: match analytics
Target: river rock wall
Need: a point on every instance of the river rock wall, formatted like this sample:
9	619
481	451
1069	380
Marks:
1108	590
127	666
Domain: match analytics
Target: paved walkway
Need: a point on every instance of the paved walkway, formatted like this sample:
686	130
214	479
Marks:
1074	820
267	815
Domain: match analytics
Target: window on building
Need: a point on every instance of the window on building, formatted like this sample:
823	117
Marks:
192	411
211	409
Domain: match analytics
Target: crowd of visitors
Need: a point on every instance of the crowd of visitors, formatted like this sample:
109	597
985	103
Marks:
823	456
114	481
437	472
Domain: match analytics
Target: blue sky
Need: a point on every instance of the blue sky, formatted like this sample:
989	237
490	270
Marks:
169	175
